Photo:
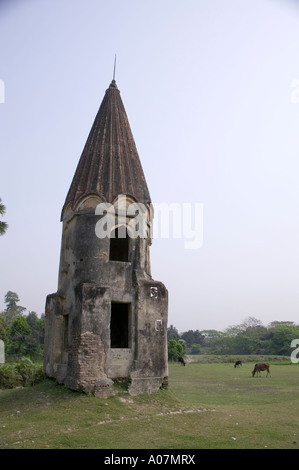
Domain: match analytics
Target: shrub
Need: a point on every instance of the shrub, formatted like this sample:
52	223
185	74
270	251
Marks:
23	373
175	349
30	372
9	376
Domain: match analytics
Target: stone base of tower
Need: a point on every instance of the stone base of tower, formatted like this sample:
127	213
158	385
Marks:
146	385
74	354
79	348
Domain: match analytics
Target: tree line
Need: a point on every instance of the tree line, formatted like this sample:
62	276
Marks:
249	337
22	334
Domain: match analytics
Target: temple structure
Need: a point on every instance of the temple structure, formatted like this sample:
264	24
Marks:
108	318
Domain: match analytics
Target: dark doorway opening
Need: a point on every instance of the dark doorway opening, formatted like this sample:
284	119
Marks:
119	325
119	244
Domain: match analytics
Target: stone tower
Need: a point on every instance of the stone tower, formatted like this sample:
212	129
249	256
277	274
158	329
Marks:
108	318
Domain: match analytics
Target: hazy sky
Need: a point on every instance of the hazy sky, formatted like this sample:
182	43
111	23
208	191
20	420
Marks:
211	90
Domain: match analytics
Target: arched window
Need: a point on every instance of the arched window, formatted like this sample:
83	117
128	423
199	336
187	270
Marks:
119	244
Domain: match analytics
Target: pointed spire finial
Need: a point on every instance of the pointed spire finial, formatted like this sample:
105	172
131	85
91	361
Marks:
113	83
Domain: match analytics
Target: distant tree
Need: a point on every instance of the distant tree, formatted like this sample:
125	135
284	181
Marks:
249	322
243	344
12	309
281	337
11	299
192	337
258	331
209	338
172	333
220	345
274	324
195	349
3	225
209	334
22	335
233	330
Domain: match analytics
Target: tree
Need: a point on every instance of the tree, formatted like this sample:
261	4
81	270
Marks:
282	336
258	331
175	349
172	333
22	335
3	225
36	339
249	322
19	333
12	309
209	334
196	349
274	324
4	330
192	337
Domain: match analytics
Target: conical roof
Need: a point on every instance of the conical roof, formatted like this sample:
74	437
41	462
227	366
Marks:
109	164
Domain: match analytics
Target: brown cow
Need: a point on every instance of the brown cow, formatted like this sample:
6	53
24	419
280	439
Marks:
258	368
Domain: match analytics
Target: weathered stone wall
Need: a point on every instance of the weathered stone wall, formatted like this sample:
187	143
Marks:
54	335
151	364
119	363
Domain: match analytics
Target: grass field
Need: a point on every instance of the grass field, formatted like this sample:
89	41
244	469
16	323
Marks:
207	406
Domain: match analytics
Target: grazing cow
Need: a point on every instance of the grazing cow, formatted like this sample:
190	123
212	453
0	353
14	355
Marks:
181	360
238	363
258	368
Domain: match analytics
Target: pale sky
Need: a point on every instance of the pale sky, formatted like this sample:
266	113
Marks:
211	90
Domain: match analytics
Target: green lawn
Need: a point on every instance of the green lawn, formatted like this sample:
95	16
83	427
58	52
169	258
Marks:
207	406
258	412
